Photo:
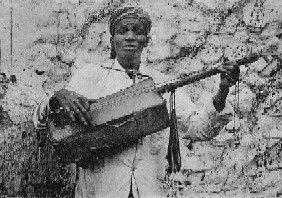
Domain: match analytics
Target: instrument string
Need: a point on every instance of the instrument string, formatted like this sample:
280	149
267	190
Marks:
109	100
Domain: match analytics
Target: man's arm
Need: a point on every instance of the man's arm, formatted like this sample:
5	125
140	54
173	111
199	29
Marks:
207	123
75	105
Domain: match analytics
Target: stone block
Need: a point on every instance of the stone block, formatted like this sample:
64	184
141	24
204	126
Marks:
194	163
271	100
271	29
196	178
188	39
167	10
94	36
275	133
163	30
158	51
233	157
254	14
20	101
192	21
42	51
211	54
217	175
211	4
220	40
44	16
246	100
223	138
241	35
258	66
255	80
105	39
246	139
229	4
230	25
236	51
270	68
188	65
272	10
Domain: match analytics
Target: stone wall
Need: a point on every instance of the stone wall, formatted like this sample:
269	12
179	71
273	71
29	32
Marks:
49	37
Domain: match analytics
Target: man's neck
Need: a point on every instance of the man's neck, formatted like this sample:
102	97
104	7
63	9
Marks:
129	63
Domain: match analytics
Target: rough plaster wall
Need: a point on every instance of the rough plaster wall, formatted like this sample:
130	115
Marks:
187	35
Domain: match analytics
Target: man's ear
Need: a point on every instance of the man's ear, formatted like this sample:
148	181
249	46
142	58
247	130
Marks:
111	40
113	52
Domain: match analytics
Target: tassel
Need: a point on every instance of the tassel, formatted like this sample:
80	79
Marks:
173	154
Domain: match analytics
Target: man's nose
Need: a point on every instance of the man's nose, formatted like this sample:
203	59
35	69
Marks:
130	35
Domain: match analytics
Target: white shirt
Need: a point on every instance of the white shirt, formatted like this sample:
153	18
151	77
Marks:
112	179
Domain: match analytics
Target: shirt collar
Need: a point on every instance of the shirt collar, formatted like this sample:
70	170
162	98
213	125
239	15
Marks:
117	66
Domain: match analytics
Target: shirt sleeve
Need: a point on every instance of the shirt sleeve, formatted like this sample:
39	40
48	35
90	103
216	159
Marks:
80	82
75	81
205	124
83	81
198	124
41	113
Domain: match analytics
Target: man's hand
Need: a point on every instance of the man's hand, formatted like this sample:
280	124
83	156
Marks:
229	76
76	106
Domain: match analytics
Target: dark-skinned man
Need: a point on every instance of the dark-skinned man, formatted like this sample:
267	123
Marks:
138	167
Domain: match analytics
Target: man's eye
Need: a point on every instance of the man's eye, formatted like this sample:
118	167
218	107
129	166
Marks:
139	31
121	30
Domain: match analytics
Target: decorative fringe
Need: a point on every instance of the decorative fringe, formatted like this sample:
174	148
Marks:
173	155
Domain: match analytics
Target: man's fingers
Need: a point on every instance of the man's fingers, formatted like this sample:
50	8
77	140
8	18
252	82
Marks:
75	105
231	74
82	113
230	79
227	80
84	102
77	113
69	111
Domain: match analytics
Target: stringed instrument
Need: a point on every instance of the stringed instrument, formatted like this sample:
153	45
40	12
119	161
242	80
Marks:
121	118
118	119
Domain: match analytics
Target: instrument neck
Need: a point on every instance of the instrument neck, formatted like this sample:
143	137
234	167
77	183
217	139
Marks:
185	80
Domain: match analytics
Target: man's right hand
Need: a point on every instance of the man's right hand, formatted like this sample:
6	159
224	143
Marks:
75	105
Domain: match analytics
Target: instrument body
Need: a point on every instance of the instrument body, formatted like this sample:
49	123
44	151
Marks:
118	119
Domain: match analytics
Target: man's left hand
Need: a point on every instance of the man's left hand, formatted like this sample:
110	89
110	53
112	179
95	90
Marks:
229	76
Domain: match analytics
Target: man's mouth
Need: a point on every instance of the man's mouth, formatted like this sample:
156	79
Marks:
130	47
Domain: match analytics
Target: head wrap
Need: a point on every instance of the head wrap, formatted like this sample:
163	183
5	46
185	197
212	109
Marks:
126	12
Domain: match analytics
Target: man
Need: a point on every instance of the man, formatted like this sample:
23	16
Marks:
135	170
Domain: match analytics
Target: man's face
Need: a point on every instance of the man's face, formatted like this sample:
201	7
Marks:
130	38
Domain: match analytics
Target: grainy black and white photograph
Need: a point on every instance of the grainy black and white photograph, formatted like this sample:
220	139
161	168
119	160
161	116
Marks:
141	98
